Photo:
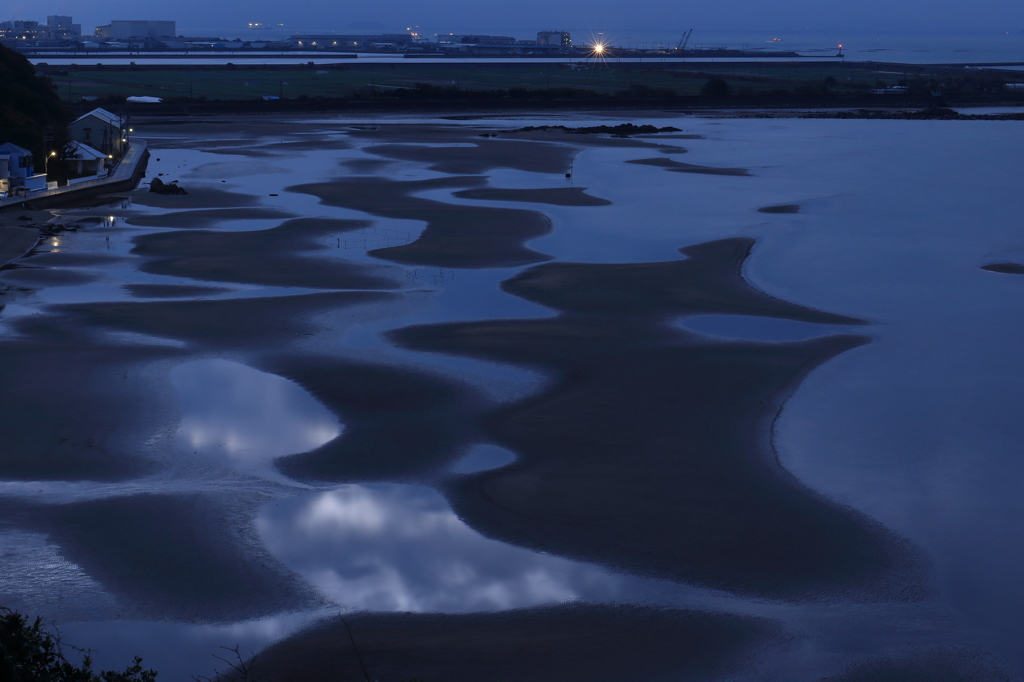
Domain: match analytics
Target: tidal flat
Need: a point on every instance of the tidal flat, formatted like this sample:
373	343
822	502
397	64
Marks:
453	400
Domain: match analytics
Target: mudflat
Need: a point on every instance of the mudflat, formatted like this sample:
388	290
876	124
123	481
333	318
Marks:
456	235
554	196
580	641
680	167
281	256
15	242
651	452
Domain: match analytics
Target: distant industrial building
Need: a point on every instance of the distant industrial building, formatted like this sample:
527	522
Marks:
124	29
334	41
56	28
485	40
22	31
62	28
559	38
493	45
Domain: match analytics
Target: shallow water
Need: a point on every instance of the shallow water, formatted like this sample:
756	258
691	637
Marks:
918	430
247	418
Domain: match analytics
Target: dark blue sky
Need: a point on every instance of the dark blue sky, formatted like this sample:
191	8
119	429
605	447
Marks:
530	15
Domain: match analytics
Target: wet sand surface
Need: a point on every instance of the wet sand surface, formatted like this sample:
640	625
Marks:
483	156
680	167
197	198
456	235
1005	268
171	554
422	420
555	196
15	242
172	290
340	375
207	217
231	323
555	643
731	521
781	208
274	257
76	433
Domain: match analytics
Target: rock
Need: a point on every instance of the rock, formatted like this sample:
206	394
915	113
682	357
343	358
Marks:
160	187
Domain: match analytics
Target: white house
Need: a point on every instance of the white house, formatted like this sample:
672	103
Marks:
81	159
101	130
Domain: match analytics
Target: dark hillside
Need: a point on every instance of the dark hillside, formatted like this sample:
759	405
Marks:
28	104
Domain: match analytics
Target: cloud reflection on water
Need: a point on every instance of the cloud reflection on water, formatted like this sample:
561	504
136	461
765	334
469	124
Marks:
401	548
246	416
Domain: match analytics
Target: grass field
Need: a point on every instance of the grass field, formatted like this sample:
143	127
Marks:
250	82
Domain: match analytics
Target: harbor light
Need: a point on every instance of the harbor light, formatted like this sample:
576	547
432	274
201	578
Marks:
598	48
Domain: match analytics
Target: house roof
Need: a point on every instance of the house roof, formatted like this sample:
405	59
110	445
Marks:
11	147
78	150
103	115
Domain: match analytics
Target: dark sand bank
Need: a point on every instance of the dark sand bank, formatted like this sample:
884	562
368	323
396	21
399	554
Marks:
781	208
207	217
652	451
307	143
15	242
249	323
254	149
483	155
366	166
606	141
446	134
557	643
422	421
274	257
197	197
189	557
555	196
82	430
419	420
171	290
680	136
710	280
680	167
38	277
1005	268
69	259
937	664
456	236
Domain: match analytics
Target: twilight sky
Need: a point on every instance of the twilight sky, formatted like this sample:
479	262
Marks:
524	16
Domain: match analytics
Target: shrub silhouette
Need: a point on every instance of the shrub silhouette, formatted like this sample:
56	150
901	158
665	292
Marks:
716	87
31	653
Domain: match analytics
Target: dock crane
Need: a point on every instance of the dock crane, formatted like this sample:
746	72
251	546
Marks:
684	40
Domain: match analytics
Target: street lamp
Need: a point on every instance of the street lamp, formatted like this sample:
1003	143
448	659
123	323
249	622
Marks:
47	163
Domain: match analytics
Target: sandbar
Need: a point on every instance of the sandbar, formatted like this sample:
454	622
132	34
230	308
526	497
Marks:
554	196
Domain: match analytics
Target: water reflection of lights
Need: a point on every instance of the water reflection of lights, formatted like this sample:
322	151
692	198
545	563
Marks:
401	547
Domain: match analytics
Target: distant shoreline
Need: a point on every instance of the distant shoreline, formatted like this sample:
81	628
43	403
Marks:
903	108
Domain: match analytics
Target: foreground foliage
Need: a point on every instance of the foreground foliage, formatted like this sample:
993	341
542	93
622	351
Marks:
28	105
31	653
